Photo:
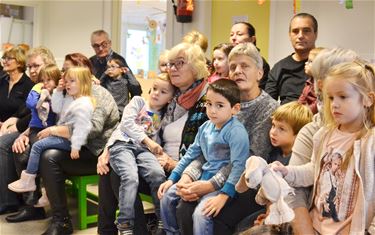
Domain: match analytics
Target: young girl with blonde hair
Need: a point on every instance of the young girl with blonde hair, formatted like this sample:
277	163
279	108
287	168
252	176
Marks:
77	117
348	129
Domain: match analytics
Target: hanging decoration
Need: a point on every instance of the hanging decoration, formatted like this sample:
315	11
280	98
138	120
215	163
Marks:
296	6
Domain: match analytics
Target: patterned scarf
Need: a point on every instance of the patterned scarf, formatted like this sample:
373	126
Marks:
182	102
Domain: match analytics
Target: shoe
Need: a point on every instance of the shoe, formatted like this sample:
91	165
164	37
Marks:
125	228
59	227
160	228
8	209
27	213
43	200
155	227
25	184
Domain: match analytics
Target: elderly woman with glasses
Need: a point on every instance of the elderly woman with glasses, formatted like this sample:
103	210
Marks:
188	72
15	62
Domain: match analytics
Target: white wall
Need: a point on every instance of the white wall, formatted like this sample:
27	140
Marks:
201	22
338	26
65	26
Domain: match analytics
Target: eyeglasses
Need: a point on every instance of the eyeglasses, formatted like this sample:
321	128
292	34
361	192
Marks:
164	65
177	64
7	58
112	67
33	66
103	44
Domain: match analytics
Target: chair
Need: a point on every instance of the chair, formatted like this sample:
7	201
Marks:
79	187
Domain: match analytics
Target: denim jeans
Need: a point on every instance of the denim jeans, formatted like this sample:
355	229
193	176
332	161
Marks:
127	161
50	142
202	224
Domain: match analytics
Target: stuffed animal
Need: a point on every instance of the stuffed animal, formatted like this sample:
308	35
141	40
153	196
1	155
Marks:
43	106
273	189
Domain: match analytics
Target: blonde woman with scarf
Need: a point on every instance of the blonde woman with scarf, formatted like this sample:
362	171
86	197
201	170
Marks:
188	72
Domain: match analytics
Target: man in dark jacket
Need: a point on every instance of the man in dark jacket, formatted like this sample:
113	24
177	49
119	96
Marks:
102	45
287	77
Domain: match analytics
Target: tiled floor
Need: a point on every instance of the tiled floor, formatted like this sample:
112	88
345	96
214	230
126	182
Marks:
39	226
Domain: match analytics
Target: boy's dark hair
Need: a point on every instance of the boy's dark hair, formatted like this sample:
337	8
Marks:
228	89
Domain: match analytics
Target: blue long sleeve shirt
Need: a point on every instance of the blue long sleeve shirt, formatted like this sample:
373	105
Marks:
31	101
220	147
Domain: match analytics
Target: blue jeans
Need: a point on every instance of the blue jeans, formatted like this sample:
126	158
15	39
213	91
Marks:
202	224
50	142
127	159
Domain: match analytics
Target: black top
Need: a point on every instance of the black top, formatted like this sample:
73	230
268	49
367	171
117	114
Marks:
15	101
100	63
266	70
2	72
286	80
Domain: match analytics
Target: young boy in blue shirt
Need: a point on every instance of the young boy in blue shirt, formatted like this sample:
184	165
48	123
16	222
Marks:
221	140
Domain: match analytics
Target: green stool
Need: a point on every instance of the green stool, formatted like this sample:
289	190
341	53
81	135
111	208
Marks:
79	186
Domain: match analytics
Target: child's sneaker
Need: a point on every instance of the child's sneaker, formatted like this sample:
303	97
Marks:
160	228
25	184
125	228
43	200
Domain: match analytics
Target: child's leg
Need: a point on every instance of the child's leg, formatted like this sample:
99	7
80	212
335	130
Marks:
202	224
27	181
51	142
123	163
151	171
168	210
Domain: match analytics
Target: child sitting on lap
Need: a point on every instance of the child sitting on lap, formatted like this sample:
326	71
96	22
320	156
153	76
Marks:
132	146
78	116
221	140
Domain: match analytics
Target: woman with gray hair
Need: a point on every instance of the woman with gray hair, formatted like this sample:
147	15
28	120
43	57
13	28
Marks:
302	148
246	69
188	72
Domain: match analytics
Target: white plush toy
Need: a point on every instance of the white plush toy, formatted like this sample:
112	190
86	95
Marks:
273	189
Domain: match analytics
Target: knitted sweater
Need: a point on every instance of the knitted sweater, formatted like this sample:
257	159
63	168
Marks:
220	147
255	115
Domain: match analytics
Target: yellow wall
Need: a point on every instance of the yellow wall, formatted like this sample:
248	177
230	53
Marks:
258	16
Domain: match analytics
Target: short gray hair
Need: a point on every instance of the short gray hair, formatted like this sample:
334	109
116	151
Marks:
247	49
327	58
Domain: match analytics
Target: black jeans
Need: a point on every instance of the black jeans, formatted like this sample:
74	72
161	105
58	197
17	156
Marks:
234	211
11	166
184	216
55	166
109	185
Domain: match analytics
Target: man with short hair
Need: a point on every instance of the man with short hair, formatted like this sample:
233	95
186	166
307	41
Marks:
287	77
102	45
